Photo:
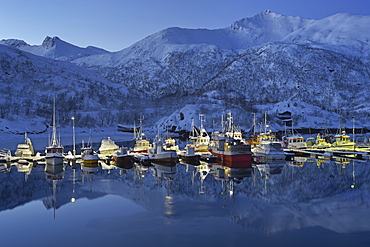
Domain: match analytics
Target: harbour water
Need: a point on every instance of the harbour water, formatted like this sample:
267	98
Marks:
302	202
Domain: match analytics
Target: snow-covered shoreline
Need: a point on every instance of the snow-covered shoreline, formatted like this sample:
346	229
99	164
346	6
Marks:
40	141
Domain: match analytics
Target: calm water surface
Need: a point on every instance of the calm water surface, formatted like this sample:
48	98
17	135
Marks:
305	202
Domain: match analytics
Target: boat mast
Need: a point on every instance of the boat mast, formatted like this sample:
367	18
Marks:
192	127
201	119
54	136
141	126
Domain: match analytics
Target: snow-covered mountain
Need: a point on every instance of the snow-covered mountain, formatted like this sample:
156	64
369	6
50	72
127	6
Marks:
29	83
319	68
55	48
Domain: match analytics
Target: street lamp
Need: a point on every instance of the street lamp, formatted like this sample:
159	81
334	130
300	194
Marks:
73	135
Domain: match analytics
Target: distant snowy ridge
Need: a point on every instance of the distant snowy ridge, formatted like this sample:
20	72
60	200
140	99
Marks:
55	48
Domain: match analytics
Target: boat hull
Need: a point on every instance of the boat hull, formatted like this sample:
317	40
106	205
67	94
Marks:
54	160
90	163
124	161
165	157
234	160
192	159
234	153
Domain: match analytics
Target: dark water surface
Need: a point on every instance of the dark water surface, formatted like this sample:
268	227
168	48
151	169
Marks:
307	202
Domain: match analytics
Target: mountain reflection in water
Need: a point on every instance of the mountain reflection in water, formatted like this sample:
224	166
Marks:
286	203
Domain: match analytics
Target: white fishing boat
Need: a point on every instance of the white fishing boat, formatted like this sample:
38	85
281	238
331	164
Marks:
189	156
123	159
141	142
54	152
108	147
293	140
158	154
25	149
199	137
270	150
268	145
170	144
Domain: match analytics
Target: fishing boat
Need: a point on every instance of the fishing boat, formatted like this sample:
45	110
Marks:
25	149
189	156
319	142
170	144
88	156
228	145
268	145
293	140
199	137
141	142
159	155
123	159
108	147
54	152
343	141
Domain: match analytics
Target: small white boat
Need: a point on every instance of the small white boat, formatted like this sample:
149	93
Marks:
25	149
54	152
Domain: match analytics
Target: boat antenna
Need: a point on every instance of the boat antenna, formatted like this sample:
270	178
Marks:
135	131
90	139
192	127
254	123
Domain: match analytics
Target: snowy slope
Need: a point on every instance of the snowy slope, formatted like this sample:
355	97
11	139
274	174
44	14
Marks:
342	32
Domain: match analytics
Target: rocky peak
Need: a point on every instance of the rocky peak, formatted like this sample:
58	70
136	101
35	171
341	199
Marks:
49	42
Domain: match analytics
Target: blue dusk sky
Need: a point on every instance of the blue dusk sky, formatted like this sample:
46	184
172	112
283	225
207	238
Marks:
116	24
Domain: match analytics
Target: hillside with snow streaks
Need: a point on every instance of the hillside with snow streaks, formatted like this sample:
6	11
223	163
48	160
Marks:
257	64
267	58
29	83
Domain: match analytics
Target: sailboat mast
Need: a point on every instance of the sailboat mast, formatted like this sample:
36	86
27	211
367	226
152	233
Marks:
54	136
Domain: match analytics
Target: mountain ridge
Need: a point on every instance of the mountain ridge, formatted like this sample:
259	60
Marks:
252	65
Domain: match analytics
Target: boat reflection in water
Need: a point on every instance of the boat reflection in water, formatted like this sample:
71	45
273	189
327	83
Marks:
261	201
53	173
164	169
5	167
